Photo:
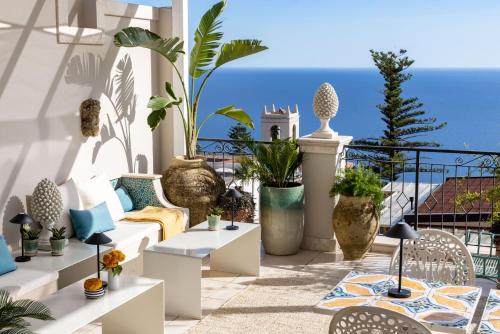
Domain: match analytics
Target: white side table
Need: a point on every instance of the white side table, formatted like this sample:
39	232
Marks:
136	308
178	262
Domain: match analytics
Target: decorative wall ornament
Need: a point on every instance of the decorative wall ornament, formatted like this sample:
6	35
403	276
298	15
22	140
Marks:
89	114
325	105
46	208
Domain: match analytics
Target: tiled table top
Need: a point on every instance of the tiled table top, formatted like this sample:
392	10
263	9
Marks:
490	322
440	306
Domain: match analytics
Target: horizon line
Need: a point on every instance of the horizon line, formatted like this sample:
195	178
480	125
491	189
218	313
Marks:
351	68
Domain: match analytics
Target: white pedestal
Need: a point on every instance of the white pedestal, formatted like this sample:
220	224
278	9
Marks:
321	160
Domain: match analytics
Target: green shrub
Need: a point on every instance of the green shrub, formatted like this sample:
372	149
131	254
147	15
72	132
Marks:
359	182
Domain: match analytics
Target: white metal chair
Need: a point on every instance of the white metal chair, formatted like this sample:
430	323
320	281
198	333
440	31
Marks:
437	256
376	320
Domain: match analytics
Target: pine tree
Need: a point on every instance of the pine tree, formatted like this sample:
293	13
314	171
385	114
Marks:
239	132
404	119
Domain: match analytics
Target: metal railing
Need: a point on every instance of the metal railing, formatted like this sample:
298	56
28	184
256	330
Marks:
224	156
452	190
429	187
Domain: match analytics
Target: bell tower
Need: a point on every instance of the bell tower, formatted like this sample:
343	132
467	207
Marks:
279	123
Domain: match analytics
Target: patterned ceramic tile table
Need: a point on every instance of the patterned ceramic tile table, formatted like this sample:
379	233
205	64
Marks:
490	322
442	307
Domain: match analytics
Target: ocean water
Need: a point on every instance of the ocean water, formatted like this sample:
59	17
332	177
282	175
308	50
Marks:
468	100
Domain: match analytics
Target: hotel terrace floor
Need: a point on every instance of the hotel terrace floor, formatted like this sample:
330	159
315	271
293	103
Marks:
280	300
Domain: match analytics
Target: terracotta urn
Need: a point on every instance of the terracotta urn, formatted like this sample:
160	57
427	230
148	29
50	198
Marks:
193	184
356	224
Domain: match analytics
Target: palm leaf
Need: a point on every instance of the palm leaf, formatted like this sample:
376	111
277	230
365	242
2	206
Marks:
12	314
206	41
238	115
131	37
124	87
237	49
274	164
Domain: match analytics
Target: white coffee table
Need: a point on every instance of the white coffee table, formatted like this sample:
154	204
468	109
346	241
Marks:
136	308
178	262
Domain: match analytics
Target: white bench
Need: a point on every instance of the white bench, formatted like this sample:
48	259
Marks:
178	262
45	274
41	276
136	308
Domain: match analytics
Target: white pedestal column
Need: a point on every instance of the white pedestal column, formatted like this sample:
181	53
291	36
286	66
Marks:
321	160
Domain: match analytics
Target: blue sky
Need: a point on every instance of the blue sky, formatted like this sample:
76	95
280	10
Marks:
340	33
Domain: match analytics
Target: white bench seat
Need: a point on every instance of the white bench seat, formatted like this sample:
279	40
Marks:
40	276
45	274
29	282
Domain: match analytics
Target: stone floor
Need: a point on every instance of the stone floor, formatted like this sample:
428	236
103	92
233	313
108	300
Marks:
218	288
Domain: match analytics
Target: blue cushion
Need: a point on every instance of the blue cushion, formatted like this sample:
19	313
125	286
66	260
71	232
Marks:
87	222
6	262
125	199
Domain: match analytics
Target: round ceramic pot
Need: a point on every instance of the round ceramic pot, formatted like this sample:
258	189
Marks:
356	224
194	185
213	223
57	246
114	281
282	219
31	247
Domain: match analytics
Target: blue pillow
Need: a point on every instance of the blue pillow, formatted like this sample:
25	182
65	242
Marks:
87	222
125	199
6	262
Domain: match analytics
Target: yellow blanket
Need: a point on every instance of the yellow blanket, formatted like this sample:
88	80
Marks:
170	220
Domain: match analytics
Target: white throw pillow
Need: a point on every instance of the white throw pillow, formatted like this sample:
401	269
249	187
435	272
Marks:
70	200
97	190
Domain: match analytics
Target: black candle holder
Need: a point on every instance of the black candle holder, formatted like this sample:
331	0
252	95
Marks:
233	195
21	220
401	231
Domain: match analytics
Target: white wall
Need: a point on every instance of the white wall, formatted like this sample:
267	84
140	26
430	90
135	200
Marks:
42	84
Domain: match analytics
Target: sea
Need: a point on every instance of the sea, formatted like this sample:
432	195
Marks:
467	99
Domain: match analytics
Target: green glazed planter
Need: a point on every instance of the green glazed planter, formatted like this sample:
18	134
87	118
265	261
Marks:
57	246
31	247
282	219
213	223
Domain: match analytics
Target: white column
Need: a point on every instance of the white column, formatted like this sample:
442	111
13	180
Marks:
173	22
321	160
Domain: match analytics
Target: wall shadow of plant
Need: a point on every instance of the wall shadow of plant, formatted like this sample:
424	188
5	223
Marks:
86	70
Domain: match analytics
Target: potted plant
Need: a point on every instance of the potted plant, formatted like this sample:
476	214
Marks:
30	237
213	217
281	199
58	240
356	216
111	262
189	181
13	314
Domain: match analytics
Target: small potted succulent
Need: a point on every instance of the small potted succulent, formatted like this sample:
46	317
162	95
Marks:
93	288
58	240
30	237
111	263
214	215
